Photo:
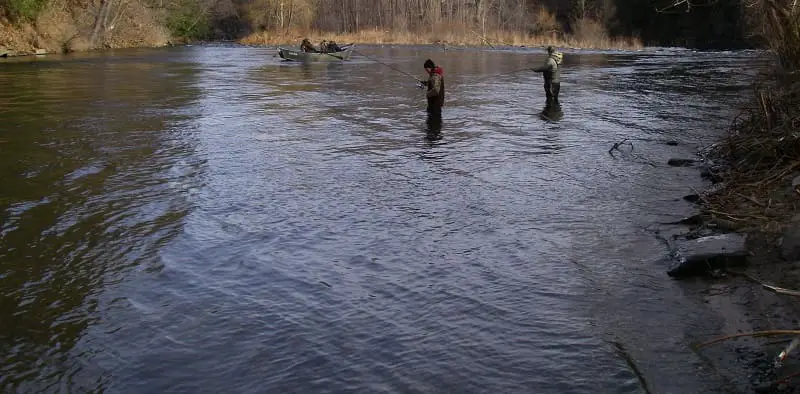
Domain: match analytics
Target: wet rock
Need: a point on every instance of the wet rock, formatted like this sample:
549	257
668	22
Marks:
4	52
40	52
790	243
693	198
681	162
699	232
795	182
701	255
689	221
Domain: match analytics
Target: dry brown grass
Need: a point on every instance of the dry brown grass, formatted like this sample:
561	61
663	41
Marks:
762	149
136	25
61	28
17	39
762	155
454	37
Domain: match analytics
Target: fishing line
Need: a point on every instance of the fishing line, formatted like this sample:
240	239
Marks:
488	77
455	85
388	65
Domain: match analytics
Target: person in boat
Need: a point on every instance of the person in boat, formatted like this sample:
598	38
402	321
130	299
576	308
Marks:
435	87
323	46
551	71
307	46
333	47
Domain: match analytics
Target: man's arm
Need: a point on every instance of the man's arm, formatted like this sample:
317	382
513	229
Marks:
547	66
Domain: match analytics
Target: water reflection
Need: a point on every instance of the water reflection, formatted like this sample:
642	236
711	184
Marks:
433	126
552	111
93	186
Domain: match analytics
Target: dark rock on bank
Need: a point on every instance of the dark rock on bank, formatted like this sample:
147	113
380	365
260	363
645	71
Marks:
701	255
692	198
681	162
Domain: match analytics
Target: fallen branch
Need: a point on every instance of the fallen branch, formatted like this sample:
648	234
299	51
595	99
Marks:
622	352
483	38
786	378
617	145
751	199
747	334
775	289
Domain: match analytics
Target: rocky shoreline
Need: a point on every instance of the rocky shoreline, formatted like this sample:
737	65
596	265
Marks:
752	271
5	52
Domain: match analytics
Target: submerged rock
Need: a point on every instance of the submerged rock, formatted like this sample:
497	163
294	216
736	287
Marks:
681	162
790	243
701	255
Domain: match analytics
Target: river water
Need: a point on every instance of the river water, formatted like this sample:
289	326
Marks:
211	219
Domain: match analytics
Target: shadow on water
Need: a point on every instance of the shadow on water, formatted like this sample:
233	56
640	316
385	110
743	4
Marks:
552	111
433	126
95	169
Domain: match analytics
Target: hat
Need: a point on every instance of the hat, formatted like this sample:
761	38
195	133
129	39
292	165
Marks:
429	64
550	49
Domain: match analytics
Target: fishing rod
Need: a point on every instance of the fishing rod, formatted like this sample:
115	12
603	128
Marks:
488	77
417	79
501	74
388	65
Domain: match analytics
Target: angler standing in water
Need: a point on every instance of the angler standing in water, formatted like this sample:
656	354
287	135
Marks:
551	71
435	88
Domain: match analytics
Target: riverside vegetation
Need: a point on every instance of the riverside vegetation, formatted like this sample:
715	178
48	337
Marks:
70	25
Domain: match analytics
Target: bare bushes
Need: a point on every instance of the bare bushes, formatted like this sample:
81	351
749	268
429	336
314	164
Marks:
762	148
75	25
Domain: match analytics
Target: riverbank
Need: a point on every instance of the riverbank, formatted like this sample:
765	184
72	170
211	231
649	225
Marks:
755	171
758	175
25	42
447	38
744	241
60	29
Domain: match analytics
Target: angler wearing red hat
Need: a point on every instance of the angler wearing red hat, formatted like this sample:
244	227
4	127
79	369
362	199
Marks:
435	85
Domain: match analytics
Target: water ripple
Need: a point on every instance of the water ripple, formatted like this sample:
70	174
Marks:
208	219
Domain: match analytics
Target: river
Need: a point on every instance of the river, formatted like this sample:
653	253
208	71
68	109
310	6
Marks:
211	219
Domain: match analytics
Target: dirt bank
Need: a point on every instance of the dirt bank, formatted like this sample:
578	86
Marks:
60	28
756	173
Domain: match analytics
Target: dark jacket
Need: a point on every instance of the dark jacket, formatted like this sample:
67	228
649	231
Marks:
435	85
306	46
551	68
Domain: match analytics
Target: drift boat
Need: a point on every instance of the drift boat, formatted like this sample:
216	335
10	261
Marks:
300	56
